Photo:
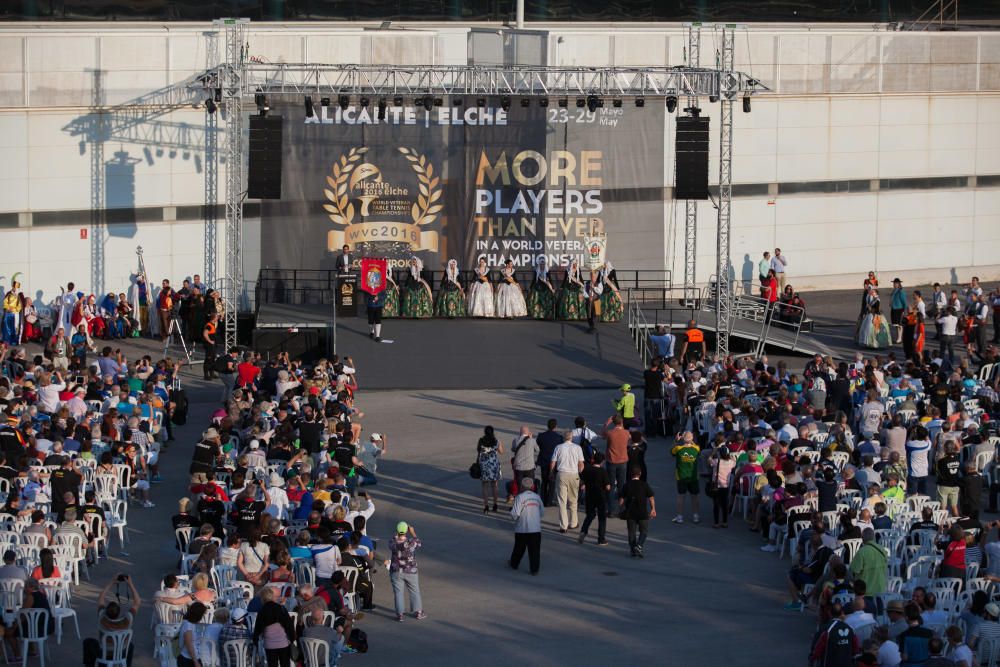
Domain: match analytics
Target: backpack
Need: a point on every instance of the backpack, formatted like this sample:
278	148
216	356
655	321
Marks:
358	640
588	449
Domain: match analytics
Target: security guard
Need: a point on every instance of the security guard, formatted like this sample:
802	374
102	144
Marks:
694	343
208	340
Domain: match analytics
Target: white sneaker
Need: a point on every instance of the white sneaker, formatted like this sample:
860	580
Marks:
696	519
678	519
769	548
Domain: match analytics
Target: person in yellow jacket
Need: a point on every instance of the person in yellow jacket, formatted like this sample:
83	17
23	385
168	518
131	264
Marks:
625	406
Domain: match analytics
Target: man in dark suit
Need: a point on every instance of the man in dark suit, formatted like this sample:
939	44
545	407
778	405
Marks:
344	260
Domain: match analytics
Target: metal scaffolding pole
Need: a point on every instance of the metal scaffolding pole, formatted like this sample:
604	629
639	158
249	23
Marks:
211	250
727	96
691	206
232	79
98	215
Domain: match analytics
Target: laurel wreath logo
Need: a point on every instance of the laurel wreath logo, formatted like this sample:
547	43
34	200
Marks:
424	210
340	209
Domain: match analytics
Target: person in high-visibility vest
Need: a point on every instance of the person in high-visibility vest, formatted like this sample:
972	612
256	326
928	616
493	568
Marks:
694	343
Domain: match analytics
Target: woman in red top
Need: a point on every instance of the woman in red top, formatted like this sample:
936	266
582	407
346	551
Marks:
918	338
953	564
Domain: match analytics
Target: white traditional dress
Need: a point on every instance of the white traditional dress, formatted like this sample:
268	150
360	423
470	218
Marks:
481	293
510	300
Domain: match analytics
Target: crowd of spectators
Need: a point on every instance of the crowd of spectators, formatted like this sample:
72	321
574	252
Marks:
833	466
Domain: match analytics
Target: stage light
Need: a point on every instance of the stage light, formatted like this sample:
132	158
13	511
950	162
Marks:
210	105
640	102
381	108
616	103
344	101
671	103
713	98
480	102
505	102
397	101
580	103
563	102
218	94
543	102
438	102
593	102
746	104
525	102
325	102
364	102
309	106
428	102
694	112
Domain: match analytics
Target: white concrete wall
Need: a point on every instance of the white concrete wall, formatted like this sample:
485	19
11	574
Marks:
848	104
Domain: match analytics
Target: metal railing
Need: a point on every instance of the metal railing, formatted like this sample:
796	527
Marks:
316	286
639	329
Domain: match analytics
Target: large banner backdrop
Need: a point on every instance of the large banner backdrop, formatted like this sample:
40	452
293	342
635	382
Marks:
461	181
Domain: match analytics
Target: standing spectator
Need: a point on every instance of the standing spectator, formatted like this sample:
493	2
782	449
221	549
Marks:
763	267
403	570
616	453
165	308
625	406
227	373
949	329
663	341
189	636
595	484
547	440
685	454
639	506
897	306
653	407
488	451
247	373
567	464
525	451
870	564
918	449
778	264
275	625
836	645
722	467
694	344
949	478
527	513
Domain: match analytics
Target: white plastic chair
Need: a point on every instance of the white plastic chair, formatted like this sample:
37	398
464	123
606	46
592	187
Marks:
850	549
115	646
317	652
11	597
163	646
238	653
118	520
34	628
57	590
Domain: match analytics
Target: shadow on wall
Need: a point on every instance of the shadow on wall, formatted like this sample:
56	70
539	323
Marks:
119	194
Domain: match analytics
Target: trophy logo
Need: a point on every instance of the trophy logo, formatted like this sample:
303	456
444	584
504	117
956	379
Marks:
384	205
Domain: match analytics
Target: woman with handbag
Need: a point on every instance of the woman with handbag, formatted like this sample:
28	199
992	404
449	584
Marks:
722	464
488	452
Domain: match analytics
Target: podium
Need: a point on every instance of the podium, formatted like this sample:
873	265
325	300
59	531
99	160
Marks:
347	295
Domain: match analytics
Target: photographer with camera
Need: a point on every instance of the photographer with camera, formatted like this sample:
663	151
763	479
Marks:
114	616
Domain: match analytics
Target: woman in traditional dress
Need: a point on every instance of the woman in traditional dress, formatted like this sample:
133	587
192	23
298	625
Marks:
874	330
480	297
95	324
391	307
451	297
572	302
541	294
127	316
510	300
919	338
611	300
13	304
416	296
32	332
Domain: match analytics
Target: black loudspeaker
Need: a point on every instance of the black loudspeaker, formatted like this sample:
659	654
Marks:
264	165
692	158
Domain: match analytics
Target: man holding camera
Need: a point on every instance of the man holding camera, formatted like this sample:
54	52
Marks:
112	617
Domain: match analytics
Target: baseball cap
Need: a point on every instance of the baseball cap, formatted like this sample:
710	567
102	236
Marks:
402	527
993	609
626	387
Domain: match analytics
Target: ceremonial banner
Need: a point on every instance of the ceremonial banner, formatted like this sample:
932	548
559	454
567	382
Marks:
597	247
373	275
466	178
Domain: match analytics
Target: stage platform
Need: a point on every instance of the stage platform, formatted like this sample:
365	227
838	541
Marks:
473	353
